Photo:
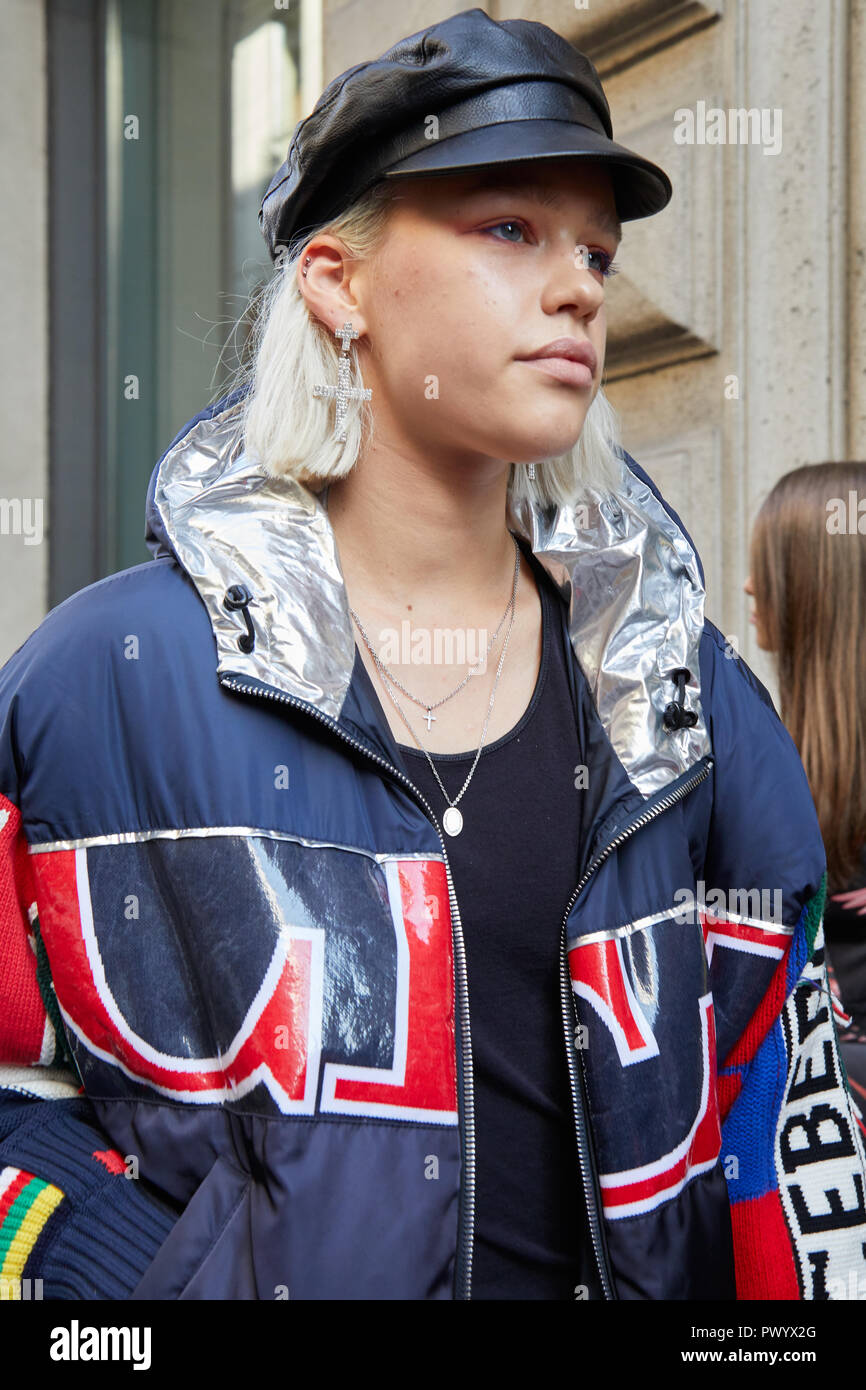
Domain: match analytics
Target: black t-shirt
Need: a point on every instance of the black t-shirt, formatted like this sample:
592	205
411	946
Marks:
514	866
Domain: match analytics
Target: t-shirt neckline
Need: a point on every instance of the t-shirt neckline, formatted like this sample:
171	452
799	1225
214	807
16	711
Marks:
506	738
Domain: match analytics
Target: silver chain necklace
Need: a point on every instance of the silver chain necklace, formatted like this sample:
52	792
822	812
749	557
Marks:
428	708
452	820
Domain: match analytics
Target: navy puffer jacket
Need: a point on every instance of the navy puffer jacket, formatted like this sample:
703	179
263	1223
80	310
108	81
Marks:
235	1019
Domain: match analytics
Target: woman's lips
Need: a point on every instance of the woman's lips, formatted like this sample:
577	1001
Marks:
563	368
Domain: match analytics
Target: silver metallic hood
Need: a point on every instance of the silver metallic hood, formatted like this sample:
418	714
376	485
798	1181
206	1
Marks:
628	574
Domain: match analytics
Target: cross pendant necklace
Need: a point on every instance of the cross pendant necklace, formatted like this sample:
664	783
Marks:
430	717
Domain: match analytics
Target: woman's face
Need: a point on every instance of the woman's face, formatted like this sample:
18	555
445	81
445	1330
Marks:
476	273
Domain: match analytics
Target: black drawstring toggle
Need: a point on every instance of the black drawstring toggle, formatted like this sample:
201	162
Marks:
676	716
236	599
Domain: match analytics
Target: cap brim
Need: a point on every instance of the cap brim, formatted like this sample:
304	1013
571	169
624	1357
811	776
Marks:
640	187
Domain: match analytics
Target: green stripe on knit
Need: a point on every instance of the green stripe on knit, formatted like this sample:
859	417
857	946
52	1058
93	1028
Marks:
63	1052
815	912
17	1212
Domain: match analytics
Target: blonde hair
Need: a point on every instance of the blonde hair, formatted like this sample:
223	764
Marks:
290	432
810	598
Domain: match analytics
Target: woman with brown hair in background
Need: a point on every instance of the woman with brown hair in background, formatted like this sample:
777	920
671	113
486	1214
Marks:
808	580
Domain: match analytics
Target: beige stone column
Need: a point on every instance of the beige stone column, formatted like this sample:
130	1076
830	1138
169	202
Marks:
732	325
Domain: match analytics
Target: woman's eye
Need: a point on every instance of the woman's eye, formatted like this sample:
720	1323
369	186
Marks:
608	265
510	223
595	260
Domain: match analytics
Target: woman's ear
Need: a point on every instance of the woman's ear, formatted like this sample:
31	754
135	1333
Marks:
324	276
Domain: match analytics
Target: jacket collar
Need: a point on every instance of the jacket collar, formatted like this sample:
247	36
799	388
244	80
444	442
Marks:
627	573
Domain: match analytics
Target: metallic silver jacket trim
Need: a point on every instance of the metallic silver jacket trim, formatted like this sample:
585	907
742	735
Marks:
636	612
612	933
134	837
629	576
773	928
656	918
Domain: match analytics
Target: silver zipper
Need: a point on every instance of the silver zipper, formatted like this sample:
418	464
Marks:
570	1019
466	1085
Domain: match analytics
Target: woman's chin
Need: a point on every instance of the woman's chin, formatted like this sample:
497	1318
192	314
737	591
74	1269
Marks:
533	440
540	450
549	439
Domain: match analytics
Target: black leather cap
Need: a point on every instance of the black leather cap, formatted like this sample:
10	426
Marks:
501	92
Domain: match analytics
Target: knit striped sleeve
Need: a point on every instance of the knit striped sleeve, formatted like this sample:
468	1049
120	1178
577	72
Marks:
33	1054
26	1203
798	1198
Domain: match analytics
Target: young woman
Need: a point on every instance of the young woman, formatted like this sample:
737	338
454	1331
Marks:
389	969
808	581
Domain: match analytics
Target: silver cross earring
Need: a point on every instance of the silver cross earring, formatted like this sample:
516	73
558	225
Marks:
343	392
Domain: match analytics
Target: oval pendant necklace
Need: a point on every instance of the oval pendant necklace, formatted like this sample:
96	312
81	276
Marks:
452	820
